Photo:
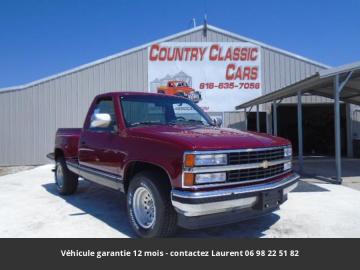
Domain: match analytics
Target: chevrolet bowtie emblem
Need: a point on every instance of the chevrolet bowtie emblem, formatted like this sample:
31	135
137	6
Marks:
265	164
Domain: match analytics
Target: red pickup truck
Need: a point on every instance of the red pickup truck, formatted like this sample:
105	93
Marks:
174	163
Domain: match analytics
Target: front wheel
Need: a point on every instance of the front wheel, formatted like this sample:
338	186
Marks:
66	181
150	211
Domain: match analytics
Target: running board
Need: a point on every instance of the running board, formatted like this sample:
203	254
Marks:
102	178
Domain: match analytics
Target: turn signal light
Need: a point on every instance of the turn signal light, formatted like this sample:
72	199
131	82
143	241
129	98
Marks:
189	160
188	179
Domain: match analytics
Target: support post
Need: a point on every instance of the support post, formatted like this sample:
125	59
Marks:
257	119
268	122
337	128
246	120
300	132
349	131
338	87
275	118
223	121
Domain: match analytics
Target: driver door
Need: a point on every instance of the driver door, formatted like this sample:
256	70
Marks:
98	151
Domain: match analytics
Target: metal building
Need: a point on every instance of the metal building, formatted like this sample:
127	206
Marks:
30	114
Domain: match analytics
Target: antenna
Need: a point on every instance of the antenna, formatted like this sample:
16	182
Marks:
205	25
194	22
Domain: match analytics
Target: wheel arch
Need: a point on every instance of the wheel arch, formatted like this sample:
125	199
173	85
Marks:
58	153
135	167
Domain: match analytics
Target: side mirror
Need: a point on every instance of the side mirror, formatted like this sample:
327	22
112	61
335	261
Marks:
100	120
217	121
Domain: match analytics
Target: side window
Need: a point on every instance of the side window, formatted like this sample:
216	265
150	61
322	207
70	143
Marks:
103	117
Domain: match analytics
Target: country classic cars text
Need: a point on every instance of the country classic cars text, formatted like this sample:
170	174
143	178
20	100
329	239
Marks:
234	55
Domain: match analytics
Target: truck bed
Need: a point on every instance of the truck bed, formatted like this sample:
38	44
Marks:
67	139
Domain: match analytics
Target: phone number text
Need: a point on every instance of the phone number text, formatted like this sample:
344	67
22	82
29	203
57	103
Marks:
229	85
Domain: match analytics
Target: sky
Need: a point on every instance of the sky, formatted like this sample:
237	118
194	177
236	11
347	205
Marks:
39	38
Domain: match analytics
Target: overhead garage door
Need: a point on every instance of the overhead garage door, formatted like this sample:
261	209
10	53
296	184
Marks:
318	123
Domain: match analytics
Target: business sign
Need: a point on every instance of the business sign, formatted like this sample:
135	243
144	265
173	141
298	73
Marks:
218	76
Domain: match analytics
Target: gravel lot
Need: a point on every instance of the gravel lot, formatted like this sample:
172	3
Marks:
31	207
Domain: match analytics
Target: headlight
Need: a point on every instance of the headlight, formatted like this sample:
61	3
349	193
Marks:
209	178
206	160
192	160
288	151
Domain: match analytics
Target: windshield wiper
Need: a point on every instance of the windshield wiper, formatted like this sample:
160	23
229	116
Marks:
188	121
145	123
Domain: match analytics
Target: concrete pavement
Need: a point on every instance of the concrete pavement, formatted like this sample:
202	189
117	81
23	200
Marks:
31	207
320	169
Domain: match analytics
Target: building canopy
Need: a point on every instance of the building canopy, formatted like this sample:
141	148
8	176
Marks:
341	84
321	84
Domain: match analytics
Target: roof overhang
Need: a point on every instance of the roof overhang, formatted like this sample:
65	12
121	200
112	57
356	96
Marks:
165	39
320	84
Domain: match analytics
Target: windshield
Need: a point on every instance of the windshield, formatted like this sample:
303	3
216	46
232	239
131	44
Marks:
179	84
163	110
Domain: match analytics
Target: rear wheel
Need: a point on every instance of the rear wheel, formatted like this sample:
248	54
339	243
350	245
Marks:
195	96
150	211
66	181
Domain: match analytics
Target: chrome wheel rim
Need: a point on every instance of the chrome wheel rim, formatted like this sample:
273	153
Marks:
144	207
59	176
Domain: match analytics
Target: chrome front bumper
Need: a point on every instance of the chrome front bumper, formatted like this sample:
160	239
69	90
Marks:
200	203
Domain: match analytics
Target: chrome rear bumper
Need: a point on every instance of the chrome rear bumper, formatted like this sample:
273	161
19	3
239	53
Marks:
200	203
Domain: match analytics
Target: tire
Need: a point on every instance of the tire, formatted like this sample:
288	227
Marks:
198	94
150	185
65	180
195	96
161	92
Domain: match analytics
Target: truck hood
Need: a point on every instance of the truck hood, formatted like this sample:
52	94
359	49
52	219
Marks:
207	138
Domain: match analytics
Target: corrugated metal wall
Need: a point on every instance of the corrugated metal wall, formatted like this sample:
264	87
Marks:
29	117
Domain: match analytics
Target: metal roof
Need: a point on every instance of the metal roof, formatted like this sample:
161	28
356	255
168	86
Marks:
186	32
320	84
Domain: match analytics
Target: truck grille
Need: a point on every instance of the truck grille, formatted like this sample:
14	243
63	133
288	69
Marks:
254	174
255	156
